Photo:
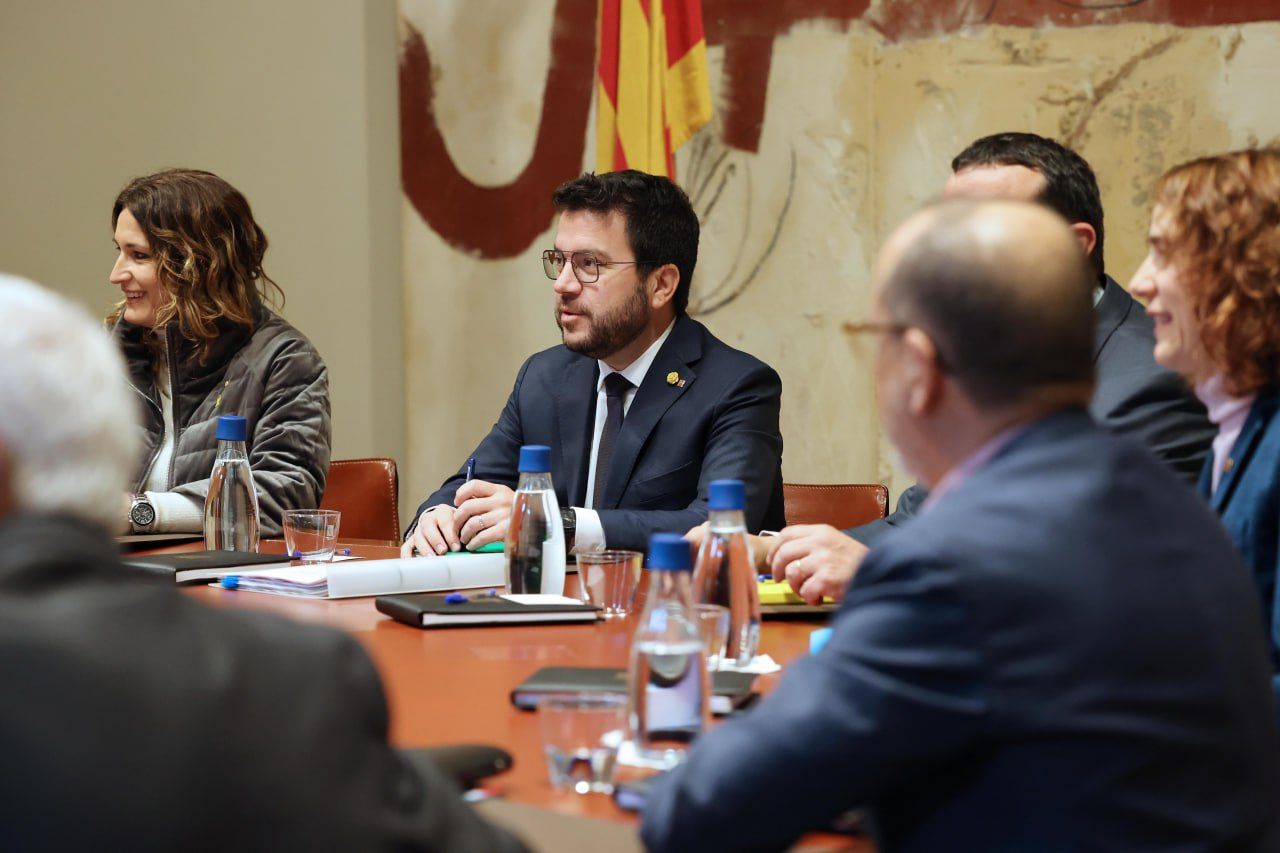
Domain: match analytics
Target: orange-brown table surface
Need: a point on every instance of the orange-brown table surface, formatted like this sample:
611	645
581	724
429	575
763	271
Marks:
453	685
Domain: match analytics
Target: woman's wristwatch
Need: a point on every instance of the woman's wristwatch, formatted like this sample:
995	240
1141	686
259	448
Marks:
142	514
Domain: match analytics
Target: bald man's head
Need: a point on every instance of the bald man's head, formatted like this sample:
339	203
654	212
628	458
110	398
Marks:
1003	290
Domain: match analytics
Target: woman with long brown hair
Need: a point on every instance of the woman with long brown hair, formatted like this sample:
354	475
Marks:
201	341
1212	282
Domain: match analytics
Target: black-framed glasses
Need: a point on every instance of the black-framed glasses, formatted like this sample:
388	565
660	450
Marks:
586	266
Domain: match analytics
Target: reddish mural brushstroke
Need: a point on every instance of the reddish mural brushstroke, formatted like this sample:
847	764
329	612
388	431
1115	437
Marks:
501	222
498	222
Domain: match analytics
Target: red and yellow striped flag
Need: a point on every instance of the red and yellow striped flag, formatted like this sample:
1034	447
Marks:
652	83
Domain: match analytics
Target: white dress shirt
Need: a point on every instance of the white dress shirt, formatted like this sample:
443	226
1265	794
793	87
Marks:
589	534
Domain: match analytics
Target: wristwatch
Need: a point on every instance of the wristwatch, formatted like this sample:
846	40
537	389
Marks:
142	514
570	520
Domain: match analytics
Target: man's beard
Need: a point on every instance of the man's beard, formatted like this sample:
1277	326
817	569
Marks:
610	332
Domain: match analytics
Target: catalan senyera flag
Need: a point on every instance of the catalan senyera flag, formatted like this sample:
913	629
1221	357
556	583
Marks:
652	83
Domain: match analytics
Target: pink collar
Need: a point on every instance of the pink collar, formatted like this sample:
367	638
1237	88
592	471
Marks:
1228	414
974	461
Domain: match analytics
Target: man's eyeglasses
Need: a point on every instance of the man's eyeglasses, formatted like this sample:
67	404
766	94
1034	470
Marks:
586	266
895	329
874	328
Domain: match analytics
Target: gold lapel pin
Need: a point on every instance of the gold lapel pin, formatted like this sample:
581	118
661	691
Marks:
673	378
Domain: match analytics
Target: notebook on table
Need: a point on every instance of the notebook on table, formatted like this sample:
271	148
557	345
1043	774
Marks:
729	690
779	600
447	611
196	566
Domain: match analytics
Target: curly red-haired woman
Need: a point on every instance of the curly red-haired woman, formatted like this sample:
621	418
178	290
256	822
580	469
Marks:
1212	281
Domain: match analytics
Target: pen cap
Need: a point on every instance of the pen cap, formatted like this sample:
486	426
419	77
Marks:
535	458
670	552
232	428
727	494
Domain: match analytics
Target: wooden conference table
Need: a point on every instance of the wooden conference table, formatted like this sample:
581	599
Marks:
448	686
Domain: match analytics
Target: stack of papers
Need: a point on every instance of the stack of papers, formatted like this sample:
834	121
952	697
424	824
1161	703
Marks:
376	577
310	581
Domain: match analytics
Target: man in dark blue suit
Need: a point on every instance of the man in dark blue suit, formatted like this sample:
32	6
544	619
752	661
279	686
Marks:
1133	395
1061	653
641	406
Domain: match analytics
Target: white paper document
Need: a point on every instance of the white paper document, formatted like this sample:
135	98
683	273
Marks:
378	577
760	665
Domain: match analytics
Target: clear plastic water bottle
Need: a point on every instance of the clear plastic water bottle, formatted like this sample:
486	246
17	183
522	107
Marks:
535	534
231	507
669	687
725	573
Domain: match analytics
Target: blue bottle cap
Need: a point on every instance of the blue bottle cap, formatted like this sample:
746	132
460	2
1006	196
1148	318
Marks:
670	552
727	494
535	458
232	428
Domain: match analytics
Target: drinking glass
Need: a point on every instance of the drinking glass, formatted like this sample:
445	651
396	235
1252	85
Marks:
607	579
713	625
581	733
311	535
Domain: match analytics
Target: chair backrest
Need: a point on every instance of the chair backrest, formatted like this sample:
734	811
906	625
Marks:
367	493
841	505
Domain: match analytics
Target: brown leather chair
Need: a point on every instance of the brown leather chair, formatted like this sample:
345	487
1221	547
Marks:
841	505
367	493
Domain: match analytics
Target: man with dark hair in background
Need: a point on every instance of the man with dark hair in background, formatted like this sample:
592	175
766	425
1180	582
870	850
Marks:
641	406
1063	652
1134	396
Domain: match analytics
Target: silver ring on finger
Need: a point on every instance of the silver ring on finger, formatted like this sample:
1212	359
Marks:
480	518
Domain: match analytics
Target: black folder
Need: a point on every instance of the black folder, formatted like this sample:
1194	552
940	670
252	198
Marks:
424	610
196	566
729	690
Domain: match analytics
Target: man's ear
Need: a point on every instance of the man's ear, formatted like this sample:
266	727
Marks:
6	482
1085	236
662	285
923	372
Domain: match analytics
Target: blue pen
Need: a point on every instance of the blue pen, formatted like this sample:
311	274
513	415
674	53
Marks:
230	581
471	469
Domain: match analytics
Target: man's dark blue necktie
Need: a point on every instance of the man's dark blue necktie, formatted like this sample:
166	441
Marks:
615	388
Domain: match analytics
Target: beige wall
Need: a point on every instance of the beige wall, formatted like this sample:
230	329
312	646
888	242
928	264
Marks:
857	132
292	101
295	103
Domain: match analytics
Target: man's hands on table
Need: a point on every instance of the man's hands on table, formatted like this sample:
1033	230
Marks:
817	560
480	515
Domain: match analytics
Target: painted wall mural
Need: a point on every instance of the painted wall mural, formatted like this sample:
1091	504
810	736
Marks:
834	118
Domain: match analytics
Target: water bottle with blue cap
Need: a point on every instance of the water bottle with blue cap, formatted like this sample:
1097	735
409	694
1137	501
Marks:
669	686
725	573
534	547
231	507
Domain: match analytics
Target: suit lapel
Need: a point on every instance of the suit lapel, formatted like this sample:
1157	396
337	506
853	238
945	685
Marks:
653	398
1250	434
575	411
1204	487
1109	313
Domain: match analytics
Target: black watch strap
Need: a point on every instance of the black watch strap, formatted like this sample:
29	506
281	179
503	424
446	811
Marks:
570	519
